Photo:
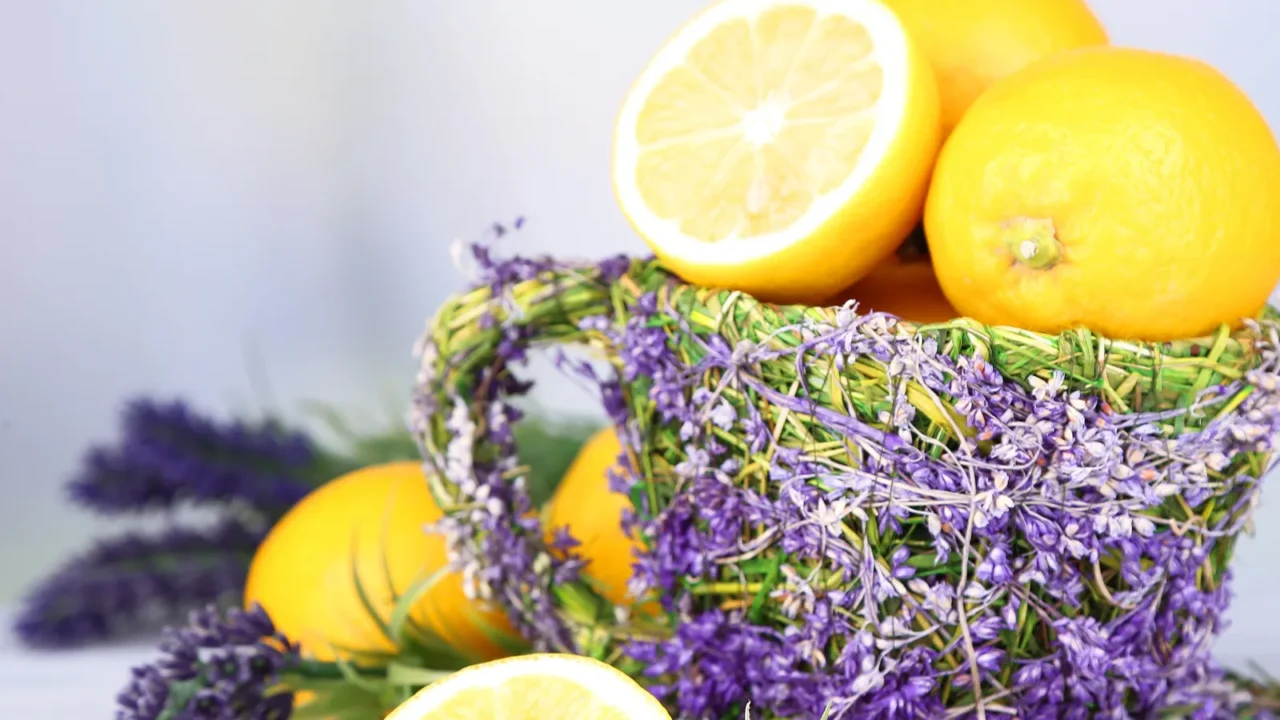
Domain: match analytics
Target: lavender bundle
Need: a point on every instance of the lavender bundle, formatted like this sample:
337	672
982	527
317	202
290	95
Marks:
853	514
249	473
170	456
136	581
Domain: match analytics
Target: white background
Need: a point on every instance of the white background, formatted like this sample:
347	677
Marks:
189	190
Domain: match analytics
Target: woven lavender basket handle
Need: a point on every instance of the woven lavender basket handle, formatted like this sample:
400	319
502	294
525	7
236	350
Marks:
853	515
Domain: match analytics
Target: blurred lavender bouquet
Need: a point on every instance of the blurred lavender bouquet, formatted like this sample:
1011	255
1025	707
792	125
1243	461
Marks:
245	473
169	456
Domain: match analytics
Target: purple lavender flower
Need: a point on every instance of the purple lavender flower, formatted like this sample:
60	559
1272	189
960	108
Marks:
1037	485
218	666
135	582
168	454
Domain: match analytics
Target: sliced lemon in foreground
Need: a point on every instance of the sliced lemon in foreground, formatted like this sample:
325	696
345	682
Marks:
534	687
782	148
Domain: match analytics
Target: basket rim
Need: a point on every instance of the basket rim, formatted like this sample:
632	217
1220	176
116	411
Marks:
1268	312
473	338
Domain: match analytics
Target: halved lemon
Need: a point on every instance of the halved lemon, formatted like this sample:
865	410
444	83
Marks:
534	687
782	148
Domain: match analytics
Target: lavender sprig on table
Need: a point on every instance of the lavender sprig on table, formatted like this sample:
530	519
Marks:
168	454
135	582
218	666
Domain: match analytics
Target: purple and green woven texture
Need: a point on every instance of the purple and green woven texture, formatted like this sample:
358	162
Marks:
849	514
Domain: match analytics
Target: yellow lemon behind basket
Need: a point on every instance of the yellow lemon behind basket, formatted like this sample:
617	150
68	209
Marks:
1133	193
584	503
908	290
376	517
779	148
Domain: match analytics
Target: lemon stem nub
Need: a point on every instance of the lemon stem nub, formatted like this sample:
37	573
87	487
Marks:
1034	243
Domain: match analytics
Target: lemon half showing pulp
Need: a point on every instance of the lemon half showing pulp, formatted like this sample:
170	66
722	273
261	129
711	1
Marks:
534	687
782	149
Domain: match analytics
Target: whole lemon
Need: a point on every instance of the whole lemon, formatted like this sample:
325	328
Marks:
1134	193
973	43
593	513
371	521
908	290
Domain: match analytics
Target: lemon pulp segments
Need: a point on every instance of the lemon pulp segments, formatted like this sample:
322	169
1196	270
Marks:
533	687
783	111
527	698
778	148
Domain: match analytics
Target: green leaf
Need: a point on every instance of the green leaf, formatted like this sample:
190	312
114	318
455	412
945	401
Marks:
401	622
180	693
433	653
406	633
423	644
766	587
307	672
365	601
758	564
361	657
402	674
353	677
639	495
507	642
338	700
400	632
925	561
578	602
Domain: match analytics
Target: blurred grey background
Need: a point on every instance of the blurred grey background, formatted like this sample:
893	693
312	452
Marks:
195	193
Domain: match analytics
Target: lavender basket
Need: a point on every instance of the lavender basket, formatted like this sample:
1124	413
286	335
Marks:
852	515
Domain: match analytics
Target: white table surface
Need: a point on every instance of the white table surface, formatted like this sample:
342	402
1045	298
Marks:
64	685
